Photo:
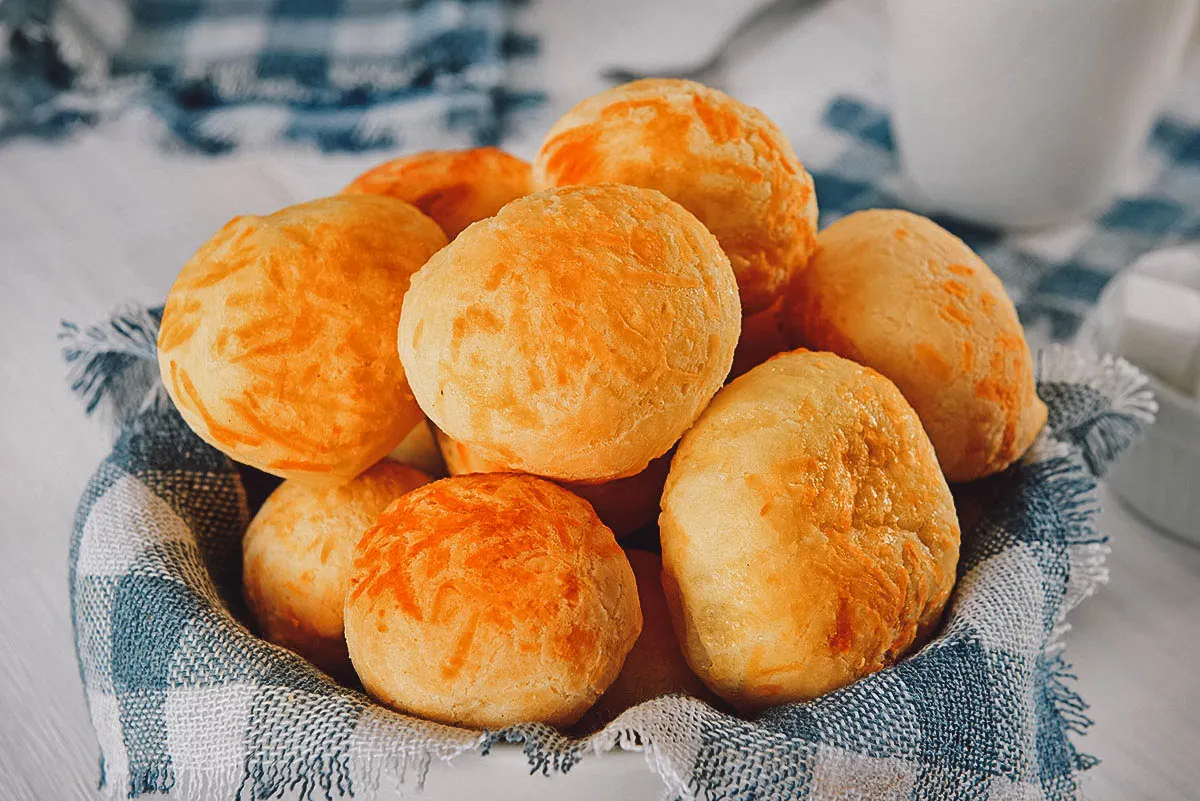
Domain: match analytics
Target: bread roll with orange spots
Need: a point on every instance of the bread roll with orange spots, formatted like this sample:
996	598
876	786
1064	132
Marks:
490	599
722	160
762	338
575	335
846	539
624	504
454	187
895	291
655	666
296	558
278	344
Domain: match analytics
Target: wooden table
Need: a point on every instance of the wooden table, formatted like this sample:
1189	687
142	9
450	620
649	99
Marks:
105	218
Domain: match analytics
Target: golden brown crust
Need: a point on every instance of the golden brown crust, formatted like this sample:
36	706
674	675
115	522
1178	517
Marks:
720	159
296	559
277	342
656	665
454	187
846	538
575	335
624	504
521	603
895	291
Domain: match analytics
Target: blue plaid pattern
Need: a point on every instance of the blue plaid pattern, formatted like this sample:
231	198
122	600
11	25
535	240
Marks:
1052	286
335	74
186	700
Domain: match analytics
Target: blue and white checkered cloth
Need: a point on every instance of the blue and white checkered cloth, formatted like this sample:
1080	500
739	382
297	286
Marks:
337	74
186	700
1053	276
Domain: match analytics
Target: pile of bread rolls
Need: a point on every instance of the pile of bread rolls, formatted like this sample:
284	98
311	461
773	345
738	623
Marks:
563	334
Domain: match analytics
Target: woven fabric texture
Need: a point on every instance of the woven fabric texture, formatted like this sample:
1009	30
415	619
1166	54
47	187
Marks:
187	701
219	74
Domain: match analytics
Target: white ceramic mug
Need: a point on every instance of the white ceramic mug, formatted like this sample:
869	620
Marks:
1023	113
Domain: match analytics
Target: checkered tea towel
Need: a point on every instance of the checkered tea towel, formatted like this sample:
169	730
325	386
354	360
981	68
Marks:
187	701
1054	276
337	74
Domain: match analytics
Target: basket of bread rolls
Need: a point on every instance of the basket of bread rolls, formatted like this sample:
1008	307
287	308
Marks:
617	449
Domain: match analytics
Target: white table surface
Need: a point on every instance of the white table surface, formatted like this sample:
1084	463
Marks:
104	218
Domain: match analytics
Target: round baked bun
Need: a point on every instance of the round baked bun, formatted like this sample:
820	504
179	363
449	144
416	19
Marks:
655	666
808	536
575	335
720	159
490	599
895	291
761	339
296	558
624	504
454	187
277	342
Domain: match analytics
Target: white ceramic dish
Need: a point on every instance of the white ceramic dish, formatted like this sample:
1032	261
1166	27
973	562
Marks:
1159	477
1023	113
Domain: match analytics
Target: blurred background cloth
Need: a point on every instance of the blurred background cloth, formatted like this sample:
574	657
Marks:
337	74
404	75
